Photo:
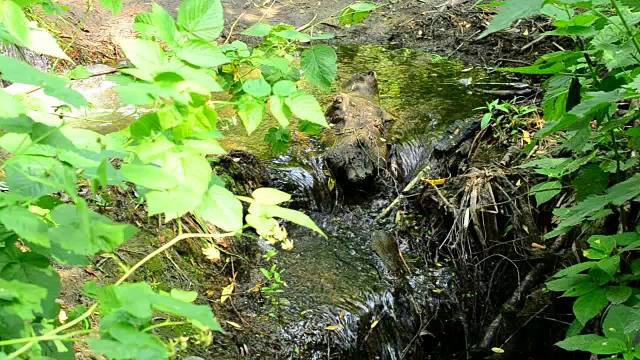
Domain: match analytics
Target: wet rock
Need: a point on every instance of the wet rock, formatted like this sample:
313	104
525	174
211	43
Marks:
456	134
357	148
386	247
242	172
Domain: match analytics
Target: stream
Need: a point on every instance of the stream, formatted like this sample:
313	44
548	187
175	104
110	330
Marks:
343	301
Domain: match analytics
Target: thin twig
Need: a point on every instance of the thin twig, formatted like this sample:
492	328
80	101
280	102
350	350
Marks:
232	27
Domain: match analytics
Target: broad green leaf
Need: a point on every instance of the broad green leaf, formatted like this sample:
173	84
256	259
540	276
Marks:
575	269
279	110
145	54
79	72
184	296
577	214
139	300
14	20
603	243
624	191
566	283
149	176
159	24
591	181
580	342
204	19
257	87
284	88
545	191
293	35
588	306
511	11
35	175
319	66
23	300
356	13
618	294
86	232
616	321
270	196
11	107
193	173
202	53
124	341
581	289
204	146
294	216
258	29
34	269
113	5
625	239
221	208
251	112
306	107
20	72
29	226
607	346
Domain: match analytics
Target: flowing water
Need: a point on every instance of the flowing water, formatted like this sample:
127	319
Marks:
342	302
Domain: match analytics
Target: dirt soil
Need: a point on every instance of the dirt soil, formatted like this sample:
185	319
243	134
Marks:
430	25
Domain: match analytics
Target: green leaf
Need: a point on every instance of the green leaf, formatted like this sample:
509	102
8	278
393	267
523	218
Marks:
546	191
257	87
293	35
294	216
575	269
591	181
616	322
149	176
129	342
14	21
113	5
258	29
618	294
79	72
19	72
604	243
144	54
567	283
624	191
512	11
269	196
35	176
251	112
221	208
319	66
284	88
204	146
139	300
204	19
29	226
588	306
279	110
86	232
11	107
607	346
193	173
23	300
158	23
306	107
580	342
184	296
34	269
356	13
202	53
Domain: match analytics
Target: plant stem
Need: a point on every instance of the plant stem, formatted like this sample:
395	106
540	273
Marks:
163	324
93	307
45	338
626	26
615	150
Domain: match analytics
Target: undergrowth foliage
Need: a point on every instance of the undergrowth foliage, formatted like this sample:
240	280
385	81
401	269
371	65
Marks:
591	109
178	67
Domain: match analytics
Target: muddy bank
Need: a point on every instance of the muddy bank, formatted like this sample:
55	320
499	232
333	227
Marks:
427	25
